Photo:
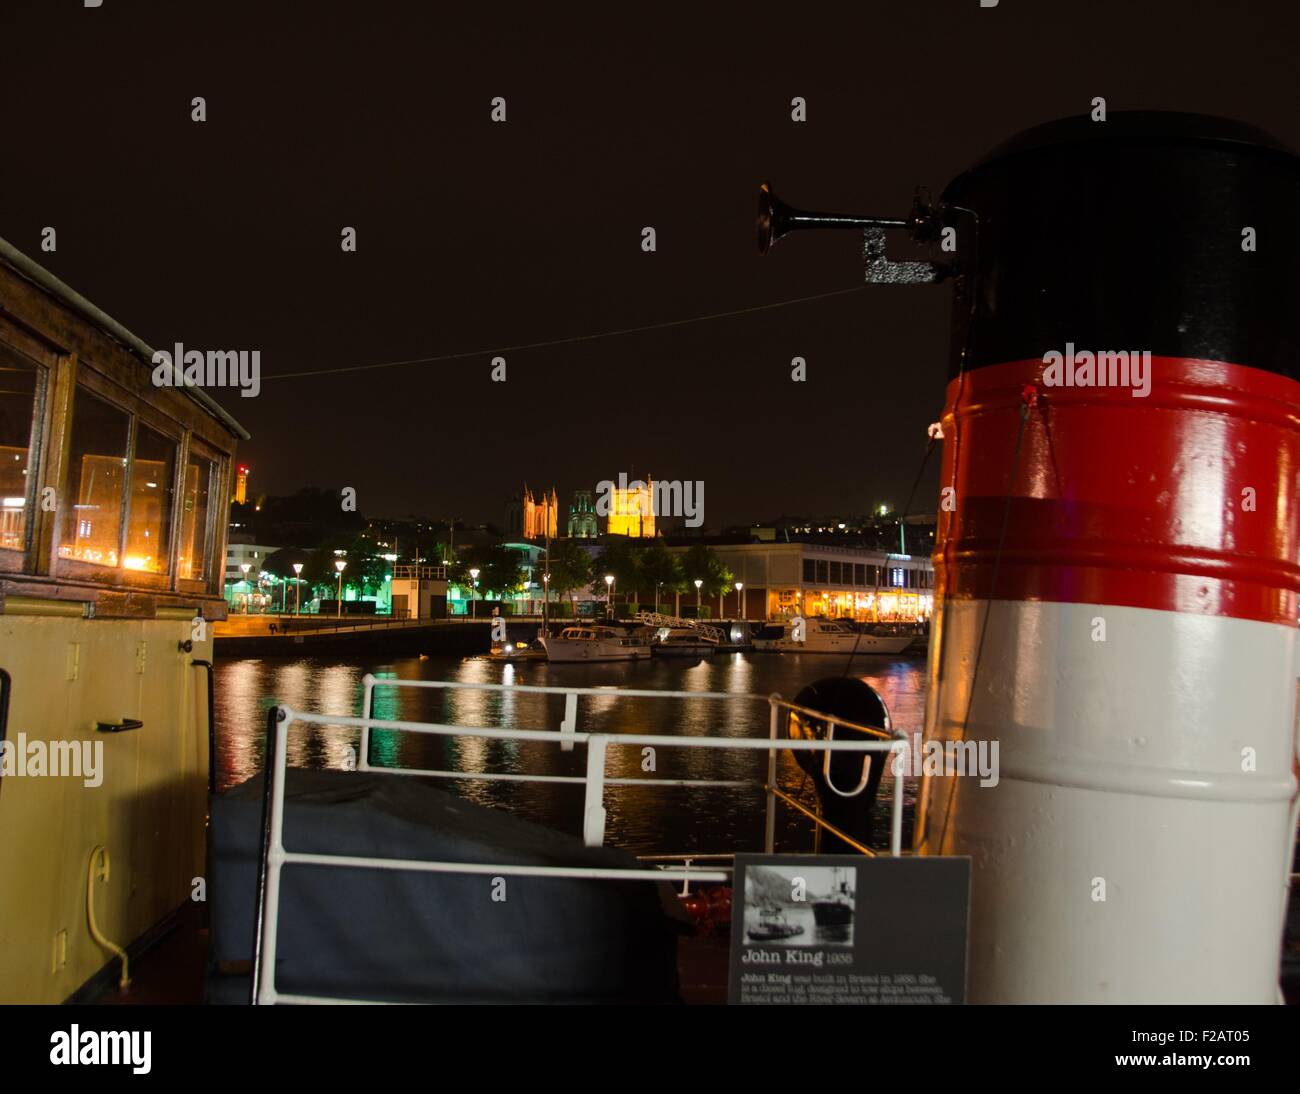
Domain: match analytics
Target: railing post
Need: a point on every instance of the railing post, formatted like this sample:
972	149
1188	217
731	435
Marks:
569	726
593	812
367	711
896	827
270	858
769	821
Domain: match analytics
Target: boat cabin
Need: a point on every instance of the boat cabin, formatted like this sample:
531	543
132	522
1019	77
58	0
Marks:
114	495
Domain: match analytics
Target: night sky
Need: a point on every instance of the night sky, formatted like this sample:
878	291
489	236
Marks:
474	235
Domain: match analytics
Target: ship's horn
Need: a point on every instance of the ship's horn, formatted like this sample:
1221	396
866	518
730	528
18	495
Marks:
776	219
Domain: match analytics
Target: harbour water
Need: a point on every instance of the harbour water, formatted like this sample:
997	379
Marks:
643	820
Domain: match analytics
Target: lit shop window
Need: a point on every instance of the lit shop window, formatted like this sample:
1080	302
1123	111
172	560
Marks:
97	460
194	517
148	541
18	387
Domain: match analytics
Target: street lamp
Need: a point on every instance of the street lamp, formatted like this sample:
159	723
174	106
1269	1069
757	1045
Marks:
340	565
297	585
473	598
609	596
546	602
698	583
740	604
245	567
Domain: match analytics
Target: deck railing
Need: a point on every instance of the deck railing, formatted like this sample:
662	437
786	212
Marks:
275	856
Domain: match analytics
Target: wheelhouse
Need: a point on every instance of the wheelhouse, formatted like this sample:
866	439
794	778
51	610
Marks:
114	495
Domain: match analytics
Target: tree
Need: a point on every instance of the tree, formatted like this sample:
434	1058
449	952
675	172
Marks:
570	569
621	560
499	570
319	571
660	570
719	581
701	564
281	562
363	572
366	571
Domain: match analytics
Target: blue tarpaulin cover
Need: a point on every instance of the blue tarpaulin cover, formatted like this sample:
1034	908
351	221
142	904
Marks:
404	936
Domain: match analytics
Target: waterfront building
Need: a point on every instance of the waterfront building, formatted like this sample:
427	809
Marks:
246	591
782	580
527	600
418	592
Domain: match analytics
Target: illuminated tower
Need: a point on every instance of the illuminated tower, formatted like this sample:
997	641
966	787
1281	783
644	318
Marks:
582	516
241	485
631	511
540	517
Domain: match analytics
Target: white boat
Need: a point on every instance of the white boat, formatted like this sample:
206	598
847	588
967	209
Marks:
683	642
829	636
595	644
518	651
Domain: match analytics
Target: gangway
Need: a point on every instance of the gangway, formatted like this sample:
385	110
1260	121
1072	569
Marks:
657	619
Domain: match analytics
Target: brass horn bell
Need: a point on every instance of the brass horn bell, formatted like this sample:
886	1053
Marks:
776	219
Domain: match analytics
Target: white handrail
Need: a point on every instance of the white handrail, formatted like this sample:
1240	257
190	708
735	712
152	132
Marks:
594	780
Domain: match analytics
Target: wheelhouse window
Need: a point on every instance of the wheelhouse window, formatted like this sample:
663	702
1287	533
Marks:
148	545
19	389
97	462
197	490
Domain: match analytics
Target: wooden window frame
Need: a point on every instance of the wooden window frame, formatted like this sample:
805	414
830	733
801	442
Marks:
45	361
138	411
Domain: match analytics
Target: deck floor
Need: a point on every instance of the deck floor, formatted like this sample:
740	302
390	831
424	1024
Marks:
171	973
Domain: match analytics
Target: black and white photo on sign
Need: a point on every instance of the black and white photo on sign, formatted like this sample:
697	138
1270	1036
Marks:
800	905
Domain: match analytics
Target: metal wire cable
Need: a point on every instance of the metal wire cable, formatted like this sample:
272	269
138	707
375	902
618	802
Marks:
565	341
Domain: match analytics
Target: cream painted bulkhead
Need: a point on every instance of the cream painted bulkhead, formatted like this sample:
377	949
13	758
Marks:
109	638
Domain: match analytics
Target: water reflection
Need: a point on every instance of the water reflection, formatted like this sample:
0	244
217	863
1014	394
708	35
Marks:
640	819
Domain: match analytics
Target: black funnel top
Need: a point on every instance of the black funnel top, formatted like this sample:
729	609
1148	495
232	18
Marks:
1128	234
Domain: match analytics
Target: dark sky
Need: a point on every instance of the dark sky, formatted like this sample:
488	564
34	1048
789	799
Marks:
474	235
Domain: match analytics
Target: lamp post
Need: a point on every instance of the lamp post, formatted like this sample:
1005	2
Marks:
740	604
339	565
699	582
245	567
546	602
473	595
609	596
297	585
